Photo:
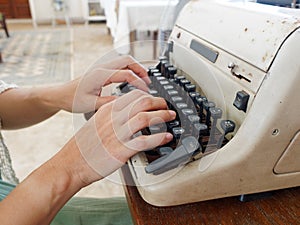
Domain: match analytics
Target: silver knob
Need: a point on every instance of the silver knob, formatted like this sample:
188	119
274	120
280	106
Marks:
231	65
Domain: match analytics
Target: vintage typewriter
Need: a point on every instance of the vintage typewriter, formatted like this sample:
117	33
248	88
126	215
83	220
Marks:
232	74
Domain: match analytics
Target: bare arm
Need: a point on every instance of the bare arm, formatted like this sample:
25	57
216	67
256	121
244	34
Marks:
100	147
23	107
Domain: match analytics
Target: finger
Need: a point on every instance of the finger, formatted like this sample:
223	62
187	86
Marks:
144	103
145	142
128	62
103	100
126	76
140	71
127	99
146	119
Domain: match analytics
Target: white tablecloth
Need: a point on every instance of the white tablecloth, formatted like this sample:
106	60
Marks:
139	15
109	7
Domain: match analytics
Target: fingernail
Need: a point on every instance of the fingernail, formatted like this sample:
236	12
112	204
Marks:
172	113
169	136
147	80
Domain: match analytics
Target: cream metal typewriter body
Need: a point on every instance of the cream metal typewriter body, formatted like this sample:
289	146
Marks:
235	51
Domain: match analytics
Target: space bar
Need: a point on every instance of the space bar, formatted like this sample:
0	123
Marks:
180	156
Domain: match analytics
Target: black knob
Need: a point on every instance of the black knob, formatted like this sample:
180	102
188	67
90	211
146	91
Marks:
227	126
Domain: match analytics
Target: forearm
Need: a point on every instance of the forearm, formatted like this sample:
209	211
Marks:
40	196
24	107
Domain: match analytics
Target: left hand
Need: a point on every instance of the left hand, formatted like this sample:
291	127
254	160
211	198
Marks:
84	94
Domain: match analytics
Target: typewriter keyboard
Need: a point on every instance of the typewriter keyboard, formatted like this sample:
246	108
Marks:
195	129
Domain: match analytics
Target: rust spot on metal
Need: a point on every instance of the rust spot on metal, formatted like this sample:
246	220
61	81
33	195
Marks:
264	58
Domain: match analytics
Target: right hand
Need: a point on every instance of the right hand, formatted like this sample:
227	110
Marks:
107	140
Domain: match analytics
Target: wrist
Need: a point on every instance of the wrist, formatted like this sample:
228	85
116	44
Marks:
47	98
71	161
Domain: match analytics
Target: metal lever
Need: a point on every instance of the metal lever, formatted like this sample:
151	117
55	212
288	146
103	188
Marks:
232	68
180	156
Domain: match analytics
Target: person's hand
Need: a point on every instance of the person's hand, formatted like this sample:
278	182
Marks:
108	140
99	148
83	94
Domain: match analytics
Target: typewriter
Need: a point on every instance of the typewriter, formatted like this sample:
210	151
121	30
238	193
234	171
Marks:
232	74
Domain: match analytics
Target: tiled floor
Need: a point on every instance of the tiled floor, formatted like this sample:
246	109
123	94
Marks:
34	145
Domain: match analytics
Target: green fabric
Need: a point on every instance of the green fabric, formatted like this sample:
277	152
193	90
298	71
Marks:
86	211
5	189
91	211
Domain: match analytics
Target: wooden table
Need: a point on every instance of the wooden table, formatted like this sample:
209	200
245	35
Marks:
282	207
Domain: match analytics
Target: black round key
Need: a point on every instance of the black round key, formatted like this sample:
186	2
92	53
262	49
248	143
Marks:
168	87
194	95
164	82
166	69
178	78
162	66
190	87
177	132
156	74
216	113
151	67
227	126
194	118
159	78
187	112
153	92
152	71
172	71
172	92
172	124
201	129
176	99
181	105
199	102
154	129
183	82
207	105
162	58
